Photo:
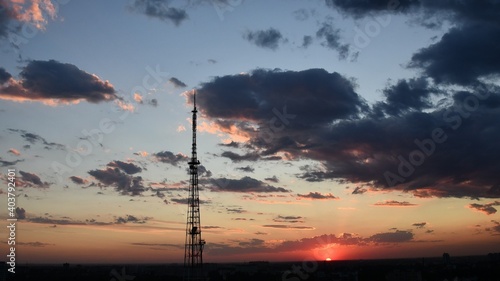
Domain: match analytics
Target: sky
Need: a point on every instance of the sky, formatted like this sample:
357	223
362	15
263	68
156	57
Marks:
326	129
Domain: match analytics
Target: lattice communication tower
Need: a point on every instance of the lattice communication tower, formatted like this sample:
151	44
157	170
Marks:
193	251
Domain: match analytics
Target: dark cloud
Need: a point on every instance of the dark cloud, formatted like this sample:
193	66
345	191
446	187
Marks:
399	236
177	83
125	184
333	40
129	168
306	41
159	9
4	163
251	156
235	157
285	105
317	196
203	172
171	158
272	179
252	243
462	56
20	213
69	221
458	12
31	179
52	221
153	102
232	144
4	75
77	180
245	184
54	82
405	96
359	190
34	139
289	219
420	224
246	169
238	210
487	209
393	203
270	38
315	95
6	15
360	8
212	227
130	219
436	142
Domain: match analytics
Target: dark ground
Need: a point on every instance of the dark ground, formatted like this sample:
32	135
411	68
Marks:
430	269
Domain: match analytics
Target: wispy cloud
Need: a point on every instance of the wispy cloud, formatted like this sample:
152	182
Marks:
317	196
393	203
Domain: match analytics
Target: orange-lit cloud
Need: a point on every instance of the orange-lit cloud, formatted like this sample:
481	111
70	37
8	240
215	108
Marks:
54	83
14	151
125	106
78	180
233	132
181	128
138	98
35	12
142	153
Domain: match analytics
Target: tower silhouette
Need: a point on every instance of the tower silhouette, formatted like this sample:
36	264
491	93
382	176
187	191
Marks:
193	251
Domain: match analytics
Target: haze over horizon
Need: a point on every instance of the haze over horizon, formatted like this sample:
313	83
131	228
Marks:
326	129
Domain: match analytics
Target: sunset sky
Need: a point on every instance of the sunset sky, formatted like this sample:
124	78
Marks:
327	129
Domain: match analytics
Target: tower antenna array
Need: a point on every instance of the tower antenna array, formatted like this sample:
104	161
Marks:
193	251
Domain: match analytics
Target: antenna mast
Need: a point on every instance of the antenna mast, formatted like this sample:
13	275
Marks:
193	251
